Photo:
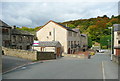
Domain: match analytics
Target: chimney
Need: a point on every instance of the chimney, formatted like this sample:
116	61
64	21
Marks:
14	27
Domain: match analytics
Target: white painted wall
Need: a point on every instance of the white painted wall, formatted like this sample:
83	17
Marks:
58	33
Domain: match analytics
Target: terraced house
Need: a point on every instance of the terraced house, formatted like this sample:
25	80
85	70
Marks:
14	38
70	39
117	39
6	34
21	39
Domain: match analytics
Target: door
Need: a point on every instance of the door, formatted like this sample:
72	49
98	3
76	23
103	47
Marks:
58	51
117	51
69	51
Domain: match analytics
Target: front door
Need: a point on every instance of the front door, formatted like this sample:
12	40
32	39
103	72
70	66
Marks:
69	51
58	51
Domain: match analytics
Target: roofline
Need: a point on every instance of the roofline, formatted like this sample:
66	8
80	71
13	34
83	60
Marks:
56	24
6	26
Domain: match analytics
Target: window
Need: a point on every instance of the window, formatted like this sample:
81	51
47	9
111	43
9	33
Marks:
5	31
50	33
71	42
68	43
69	33
74	42
14	39
20	39
118	33
28	39
20	47
118	41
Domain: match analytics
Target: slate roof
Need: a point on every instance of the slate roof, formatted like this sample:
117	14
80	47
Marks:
84	35
3	24
20	32
116	27
77	30
48	44
68	28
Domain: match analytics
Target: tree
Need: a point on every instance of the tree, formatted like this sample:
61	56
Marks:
71	25
109	24
112	16
105	40
89	42
114	20
104	16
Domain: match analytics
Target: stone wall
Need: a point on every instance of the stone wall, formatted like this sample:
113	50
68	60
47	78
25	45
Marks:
45	55
116	59
30	55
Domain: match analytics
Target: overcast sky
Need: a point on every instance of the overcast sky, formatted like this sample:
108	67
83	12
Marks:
33	14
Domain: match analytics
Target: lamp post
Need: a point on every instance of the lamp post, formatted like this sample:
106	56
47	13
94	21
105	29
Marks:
111	42
108	43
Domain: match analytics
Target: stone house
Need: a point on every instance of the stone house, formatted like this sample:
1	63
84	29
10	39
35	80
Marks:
14	38
70	39
6	34
84	42
21	39
117	39
48	46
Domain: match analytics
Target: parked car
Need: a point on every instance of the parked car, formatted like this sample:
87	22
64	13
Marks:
97	50
101	51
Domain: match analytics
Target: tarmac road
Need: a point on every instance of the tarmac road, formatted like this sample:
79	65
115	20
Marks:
98	67
9	62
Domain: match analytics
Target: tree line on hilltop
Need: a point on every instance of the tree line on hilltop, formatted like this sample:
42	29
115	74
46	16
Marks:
96	28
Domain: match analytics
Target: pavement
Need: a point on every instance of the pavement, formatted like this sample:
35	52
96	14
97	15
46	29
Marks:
10	62
98	67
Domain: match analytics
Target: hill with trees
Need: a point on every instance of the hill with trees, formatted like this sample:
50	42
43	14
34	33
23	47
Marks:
95	28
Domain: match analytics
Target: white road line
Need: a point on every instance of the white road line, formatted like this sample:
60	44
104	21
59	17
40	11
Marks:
103	71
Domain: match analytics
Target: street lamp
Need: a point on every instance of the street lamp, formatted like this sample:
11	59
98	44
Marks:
111	41
108	43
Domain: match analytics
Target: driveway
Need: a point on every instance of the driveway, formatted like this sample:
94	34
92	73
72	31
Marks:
9	62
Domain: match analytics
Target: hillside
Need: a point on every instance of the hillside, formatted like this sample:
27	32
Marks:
95	28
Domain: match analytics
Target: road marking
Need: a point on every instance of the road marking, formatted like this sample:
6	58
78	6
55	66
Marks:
103	71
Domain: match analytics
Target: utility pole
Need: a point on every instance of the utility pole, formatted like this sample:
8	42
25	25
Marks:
111	42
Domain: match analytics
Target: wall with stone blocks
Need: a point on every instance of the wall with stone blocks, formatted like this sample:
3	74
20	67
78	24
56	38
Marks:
116	59
30	55
45	55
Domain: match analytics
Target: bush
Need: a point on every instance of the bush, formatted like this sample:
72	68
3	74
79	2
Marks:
92	53
104	47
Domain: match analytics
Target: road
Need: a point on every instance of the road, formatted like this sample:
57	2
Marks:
9	62
98	67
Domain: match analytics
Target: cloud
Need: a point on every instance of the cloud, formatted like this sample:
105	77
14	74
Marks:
32	14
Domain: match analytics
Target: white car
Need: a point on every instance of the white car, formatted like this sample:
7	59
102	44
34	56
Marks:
101	51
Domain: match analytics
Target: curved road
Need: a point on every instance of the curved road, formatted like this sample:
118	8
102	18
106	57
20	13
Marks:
98	67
